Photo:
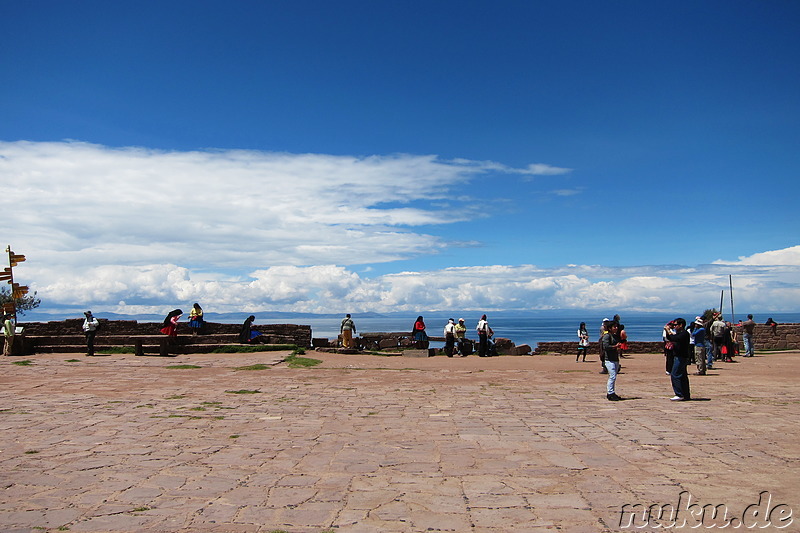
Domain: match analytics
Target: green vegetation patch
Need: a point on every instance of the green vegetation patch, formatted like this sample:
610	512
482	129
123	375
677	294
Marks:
26	362
294	361
243	391
72	361
117	350
259	366
183	367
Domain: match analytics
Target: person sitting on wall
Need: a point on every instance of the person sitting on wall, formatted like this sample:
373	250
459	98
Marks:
248	335
774	325
418	334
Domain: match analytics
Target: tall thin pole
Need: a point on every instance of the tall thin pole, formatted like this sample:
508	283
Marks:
730	284
12	306
721	296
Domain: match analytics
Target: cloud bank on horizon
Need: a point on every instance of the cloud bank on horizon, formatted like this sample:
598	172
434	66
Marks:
139	231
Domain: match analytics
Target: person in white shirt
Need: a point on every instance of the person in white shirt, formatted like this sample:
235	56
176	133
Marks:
90	325
450	337
484	334
9	330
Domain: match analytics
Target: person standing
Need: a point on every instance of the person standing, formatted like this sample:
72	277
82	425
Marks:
9	330
731	342
622	348
603	331
718	336
450	337
699	337
347	329
748	327
461	338
709	348
669	347
196	319
679	375
609	344
484	334
90	325
583	341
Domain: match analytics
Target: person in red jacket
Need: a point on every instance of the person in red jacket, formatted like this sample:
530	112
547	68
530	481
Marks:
418	334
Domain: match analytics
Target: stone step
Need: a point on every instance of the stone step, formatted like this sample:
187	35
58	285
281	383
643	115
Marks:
130	340
147	349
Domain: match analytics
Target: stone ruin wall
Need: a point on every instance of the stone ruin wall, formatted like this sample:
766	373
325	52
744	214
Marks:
785	337
297	334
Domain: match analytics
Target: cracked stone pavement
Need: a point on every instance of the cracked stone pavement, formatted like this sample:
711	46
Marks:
365	443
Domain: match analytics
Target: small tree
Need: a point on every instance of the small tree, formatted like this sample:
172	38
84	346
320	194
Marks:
26	303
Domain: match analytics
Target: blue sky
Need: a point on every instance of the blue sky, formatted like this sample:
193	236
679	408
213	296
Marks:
373	156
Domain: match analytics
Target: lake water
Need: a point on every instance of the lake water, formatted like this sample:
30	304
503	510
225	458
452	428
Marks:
521	329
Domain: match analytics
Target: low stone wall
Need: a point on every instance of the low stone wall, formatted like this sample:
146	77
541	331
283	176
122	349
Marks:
402	340
784	337
594	347
290	333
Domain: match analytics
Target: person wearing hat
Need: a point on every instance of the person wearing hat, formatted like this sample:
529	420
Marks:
450	337
675	332
90	325
698	336
717	330
461	338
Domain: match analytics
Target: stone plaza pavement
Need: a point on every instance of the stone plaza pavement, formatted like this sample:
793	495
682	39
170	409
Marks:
365	443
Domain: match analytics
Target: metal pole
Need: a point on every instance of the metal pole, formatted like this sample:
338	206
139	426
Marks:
11	283
730	283
721	296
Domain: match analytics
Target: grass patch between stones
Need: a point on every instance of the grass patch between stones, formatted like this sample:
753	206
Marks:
259	366
295	361
117	350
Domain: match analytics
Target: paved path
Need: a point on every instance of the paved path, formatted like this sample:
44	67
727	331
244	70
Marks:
388	444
